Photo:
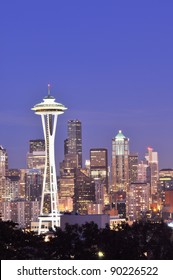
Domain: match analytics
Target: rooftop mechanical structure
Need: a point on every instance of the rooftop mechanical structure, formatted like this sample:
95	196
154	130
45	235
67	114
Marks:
49	210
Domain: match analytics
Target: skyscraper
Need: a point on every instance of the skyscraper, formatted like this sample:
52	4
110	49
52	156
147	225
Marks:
133	168
142	172
33	187
36	145
120	168
3	162
99	165
36	155
73	145
84	192
152	160
3	172
66	184
49	111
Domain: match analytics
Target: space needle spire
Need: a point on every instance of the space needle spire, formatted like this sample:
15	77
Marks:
48	89
49	210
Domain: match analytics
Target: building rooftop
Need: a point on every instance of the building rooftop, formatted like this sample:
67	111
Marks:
166	169
120	135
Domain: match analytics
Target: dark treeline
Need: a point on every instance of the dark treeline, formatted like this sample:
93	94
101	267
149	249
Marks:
140	241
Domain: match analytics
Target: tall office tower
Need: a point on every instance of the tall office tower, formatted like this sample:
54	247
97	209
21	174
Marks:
120	167
99	192
36	155
65	147
118	202
99	166
133	168
73	145
5	189
84	192
49	111
3	162
13	182
138	200
36	160
143	172
87	166
97	207
36	145
3	173
22	184
152	159
66	184
33	184
13	177
18	176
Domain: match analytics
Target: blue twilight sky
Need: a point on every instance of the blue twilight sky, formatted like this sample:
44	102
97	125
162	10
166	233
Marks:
110	62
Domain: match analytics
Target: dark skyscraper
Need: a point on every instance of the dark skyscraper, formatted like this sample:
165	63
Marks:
73	145
36	145
72	160
33	184
133	168
84	192
65	147
99	165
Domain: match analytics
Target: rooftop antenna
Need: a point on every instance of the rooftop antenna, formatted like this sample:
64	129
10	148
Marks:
48	90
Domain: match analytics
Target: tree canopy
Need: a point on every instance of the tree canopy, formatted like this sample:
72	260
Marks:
141	240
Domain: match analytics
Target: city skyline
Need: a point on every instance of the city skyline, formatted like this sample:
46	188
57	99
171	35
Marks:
110	63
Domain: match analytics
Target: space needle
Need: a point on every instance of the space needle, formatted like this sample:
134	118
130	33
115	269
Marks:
49	210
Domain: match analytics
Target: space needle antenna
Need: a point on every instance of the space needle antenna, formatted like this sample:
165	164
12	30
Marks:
48	90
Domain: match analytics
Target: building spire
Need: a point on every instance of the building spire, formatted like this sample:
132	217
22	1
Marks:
48	90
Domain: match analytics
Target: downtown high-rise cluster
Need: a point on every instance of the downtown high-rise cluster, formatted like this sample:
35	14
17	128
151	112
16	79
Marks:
129	189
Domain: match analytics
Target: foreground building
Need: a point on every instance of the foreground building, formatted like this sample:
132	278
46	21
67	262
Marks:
20	211
101	220
138	198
